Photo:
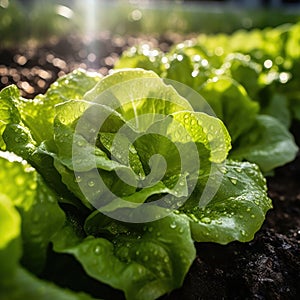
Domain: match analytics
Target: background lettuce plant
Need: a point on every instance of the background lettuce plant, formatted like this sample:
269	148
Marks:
53	202
250	80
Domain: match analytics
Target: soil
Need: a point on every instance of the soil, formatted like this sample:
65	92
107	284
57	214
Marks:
266	268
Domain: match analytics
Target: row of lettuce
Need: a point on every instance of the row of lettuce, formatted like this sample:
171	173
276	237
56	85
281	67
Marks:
56	212
250	79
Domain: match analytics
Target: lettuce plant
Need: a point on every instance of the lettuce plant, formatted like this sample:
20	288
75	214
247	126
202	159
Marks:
249	79
121	174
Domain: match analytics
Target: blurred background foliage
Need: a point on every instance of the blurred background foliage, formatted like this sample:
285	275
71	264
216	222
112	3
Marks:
23	20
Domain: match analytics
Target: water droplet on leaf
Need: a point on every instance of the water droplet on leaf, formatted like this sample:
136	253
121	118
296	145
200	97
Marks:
173	225
97	250
206	220
233	181
91	183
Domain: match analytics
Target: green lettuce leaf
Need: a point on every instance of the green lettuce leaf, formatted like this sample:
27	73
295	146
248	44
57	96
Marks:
26	286
268	143
28	218
9	114
231	104
10	247
145	261
38	113
236	211
38	208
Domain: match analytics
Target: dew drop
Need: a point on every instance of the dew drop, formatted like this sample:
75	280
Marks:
243	232
32	186
93	130
91	183
193	122
20	180
173	225
78	179
97	250
51	199
80	143
253	216
81	108
206	220
194	218
210	137
223	170
233	181
166	259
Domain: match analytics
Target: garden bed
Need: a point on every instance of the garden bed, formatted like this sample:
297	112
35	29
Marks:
266	268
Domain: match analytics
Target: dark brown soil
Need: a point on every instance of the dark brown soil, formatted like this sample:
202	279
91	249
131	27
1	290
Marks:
266	268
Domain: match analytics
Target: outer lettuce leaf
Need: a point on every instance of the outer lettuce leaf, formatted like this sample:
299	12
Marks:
10	228
20	208
38	207
245	71
237	210
10	221
145	261
38	114
26	123
25	286
231	104
268	143
181	69
278	108
136	92
9	114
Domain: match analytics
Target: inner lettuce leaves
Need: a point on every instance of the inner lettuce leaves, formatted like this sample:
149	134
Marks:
146	174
